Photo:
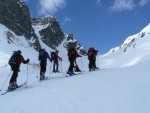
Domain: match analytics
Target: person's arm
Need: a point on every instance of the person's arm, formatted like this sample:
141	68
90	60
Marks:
49	57
58	57
21	60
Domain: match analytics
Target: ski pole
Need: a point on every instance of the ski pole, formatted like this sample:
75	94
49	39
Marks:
5	81
39	70
61	66
97	61
27	76
50	69
82	63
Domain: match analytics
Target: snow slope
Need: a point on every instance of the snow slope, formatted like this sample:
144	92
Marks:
123	90
114	89
134	50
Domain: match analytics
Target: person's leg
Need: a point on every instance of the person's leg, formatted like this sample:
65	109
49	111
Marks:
42	70
90	64
57	65
54	64
13	80
70	70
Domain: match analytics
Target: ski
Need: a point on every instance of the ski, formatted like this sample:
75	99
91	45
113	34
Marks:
94	70
46	78
7	91
68	75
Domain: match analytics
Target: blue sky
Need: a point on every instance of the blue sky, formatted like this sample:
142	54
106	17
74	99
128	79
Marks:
102	24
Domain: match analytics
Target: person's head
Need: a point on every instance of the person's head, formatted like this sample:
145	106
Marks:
56	51
18	52
42	49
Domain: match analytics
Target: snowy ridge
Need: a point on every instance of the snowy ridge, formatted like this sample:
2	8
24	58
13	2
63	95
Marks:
134	50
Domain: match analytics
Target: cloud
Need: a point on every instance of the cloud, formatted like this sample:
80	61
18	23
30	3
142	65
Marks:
121	5
143	2
66	20
98	2
50	7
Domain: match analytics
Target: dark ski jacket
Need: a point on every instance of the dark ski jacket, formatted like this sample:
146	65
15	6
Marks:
44	56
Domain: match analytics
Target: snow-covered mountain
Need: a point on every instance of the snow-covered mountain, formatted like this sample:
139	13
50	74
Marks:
134	50
113	90
49	32
15	15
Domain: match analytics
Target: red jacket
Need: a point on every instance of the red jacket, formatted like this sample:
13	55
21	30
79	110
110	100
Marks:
54	56
20	60
74	55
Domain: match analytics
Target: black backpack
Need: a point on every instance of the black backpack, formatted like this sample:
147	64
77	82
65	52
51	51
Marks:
52	55
71	52
42	54
13	58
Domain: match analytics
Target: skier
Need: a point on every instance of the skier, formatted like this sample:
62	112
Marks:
72	55
55	58
43	55
92	59
15	60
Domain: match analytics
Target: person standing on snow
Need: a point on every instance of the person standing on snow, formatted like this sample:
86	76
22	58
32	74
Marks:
72	55
55	58
43	55
15	60
92	58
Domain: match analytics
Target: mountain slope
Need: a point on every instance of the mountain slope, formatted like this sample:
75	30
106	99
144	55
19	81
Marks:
134	50
123	90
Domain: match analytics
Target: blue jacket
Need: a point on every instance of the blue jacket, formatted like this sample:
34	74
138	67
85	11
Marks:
43	55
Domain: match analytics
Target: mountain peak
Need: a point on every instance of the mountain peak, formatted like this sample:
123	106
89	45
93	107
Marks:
44	21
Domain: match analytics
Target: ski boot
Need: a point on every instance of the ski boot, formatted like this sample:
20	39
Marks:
71	73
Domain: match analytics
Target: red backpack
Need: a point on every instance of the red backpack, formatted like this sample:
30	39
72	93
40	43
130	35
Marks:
53	55
90	51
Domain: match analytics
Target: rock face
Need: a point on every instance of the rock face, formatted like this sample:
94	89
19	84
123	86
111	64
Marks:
14	14
72	42
52	35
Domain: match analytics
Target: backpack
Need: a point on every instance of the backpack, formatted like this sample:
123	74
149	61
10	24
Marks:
53	55
71	52
90	51
42	55
13	58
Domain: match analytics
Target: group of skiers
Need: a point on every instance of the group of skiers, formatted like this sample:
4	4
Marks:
16	59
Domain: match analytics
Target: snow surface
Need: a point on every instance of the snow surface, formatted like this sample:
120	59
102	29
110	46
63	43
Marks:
120	86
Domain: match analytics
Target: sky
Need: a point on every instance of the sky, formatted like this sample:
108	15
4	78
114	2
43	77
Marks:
103	24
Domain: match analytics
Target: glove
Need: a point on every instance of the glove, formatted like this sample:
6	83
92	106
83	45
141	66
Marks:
60	59
27	60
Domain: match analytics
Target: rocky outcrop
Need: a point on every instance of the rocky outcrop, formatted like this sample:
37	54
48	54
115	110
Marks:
72	42
14	14
52	35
